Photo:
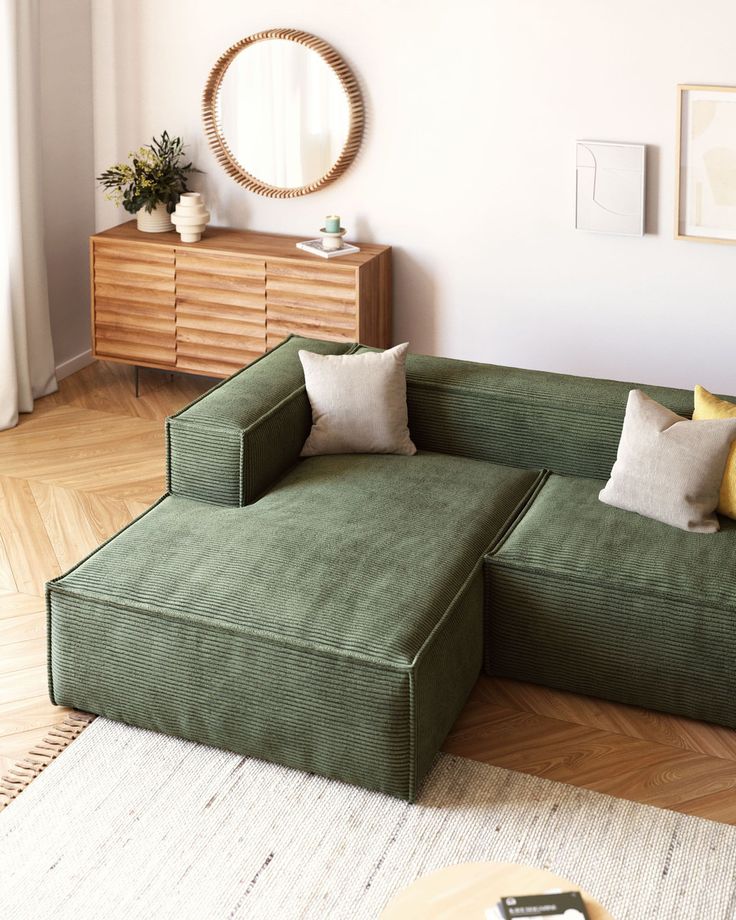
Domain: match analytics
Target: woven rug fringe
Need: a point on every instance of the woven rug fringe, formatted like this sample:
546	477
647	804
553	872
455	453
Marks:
25	770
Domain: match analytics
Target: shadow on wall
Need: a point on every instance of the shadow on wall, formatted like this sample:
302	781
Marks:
652	190
412	283
227	203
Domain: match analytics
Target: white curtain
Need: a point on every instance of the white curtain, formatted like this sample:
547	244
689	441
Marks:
26	352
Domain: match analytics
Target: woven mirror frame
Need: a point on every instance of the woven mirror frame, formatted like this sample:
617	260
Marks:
220	146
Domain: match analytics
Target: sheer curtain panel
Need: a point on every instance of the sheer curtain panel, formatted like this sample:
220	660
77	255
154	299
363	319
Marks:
26	352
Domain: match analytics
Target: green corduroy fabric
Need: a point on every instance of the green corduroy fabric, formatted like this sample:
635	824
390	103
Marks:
521	418
334	624
592	599
328	614
447	669
229	445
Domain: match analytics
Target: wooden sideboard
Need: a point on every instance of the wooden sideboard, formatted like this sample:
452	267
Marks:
213	306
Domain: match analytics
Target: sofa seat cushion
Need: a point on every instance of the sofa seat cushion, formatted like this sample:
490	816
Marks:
596	600
334	625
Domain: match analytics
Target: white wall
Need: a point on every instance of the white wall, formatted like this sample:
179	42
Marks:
67	164
467	167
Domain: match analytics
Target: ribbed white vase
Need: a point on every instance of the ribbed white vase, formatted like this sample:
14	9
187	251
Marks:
190	217
157	221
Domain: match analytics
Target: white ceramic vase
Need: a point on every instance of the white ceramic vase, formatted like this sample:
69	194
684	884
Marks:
156	221
190	217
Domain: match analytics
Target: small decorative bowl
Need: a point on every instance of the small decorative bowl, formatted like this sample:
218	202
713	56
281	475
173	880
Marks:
332	241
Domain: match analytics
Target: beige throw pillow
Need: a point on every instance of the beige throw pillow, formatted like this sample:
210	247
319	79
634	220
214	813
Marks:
669	468
358	403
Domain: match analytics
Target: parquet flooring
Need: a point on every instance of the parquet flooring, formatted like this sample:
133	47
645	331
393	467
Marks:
632	753
81	466
91	457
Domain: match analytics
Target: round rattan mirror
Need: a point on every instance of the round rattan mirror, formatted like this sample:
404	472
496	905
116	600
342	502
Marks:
283	113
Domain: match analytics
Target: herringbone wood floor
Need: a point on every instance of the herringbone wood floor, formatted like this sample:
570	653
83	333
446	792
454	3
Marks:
91	457
81	466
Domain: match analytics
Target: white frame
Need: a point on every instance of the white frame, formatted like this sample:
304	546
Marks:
684	94
641	223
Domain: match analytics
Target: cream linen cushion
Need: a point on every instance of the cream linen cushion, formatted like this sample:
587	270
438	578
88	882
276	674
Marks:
667	467
358	403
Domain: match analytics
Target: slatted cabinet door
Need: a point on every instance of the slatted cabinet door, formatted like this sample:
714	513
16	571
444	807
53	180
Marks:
220	311
312	300
134	302
213	306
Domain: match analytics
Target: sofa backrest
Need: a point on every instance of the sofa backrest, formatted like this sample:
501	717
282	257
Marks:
531	419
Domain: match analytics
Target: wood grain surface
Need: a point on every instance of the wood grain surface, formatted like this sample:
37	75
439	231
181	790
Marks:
471	891
81	466
213	306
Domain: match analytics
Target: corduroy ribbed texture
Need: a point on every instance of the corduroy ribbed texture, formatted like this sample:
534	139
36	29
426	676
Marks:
600	601
453	659
331	618
521	418
227	446
308	628
339	716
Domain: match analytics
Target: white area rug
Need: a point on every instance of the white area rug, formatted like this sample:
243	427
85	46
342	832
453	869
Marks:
131	824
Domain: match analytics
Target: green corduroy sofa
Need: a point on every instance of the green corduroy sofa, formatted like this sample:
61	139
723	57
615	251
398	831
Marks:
333	613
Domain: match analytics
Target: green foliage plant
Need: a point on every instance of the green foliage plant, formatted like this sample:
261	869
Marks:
154	174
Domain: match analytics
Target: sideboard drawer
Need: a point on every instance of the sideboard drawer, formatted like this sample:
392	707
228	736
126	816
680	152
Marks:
311	300
220	311
214	306
134	297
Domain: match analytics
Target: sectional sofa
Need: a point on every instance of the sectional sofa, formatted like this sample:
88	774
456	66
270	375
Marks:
333	613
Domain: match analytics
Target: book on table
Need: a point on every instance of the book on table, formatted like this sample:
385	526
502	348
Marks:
317	249
555	905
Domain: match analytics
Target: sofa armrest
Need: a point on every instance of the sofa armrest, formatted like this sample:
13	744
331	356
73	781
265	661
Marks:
228	446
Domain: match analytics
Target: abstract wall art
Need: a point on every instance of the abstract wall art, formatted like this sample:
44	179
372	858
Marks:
609	189
706	168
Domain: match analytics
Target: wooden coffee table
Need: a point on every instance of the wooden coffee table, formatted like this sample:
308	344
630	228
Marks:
466	891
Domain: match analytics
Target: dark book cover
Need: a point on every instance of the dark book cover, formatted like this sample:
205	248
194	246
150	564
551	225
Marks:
566	905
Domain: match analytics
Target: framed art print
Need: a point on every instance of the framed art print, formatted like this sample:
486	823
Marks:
705	204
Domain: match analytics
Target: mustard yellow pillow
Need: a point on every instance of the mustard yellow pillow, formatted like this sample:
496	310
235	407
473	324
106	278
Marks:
708	406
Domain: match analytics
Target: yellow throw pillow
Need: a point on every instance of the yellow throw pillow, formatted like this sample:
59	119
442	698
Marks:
708	406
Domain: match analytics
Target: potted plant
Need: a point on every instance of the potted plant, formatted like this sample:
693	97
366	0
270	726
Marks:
150	182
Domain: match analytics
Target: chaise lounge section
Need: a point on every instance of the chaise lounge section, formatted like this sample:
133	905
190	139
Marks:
329	613
332	624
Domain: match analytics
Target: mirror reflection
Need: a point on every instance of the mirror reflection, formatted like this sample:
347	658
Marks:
283	113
